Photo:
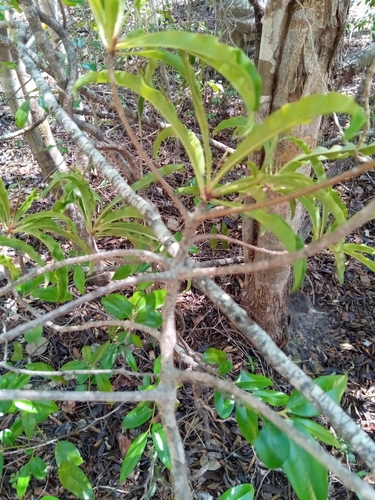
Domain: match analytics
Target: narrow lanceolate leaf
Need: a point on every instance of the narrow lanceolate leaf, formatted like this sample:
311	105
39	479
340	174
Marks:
1	464
160	443
75	481
79	278
137	417
4	204
240	492
133	455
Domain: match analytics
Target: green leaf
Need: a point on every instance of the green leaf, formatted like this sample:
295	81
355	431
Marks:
100	352
133	455
213	356
130	360
22	114
103	383
225	367
290	115
38	468
42	104
118	306
307	475
247	421
333	385
288	238
44	367
251	382
272	446
318	431
240	492
213	241
232	63
28	423
75	481
67	452
34	336
50	294
160	443
79	278
152	319
151	301
22	247
274	398
75	365
8	262
137	417
224	406
17	352
235	121
23	480
4	204
156	98
1	464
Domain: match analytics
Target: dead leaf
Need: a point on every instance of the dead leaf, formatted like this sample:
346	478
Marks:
123	443
37	349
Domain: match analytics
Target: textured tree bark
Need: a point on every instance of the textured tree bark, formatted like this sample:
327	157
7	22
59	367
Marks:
299	45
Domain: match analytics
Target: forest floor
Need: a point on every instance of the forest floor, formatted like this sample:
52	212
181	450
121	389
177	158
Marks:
332	332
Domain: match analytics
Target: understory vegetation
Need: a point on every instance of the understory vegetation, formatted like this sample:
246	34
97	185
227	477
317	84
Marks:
130	365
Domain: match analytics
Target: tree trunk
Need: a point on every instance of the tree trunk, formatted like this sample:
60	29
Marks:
299	44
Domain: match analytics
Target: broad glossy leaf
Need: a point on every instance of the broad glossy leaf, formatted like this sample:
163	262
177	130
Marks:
318	431
333	385
272	446
38	468
103	383
118	305
149	318
247	421
28	423
137	417
240	492
160	443
223	406
307	475
251	382
274	398
75	481
151	301
133	455
67	452
22	114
